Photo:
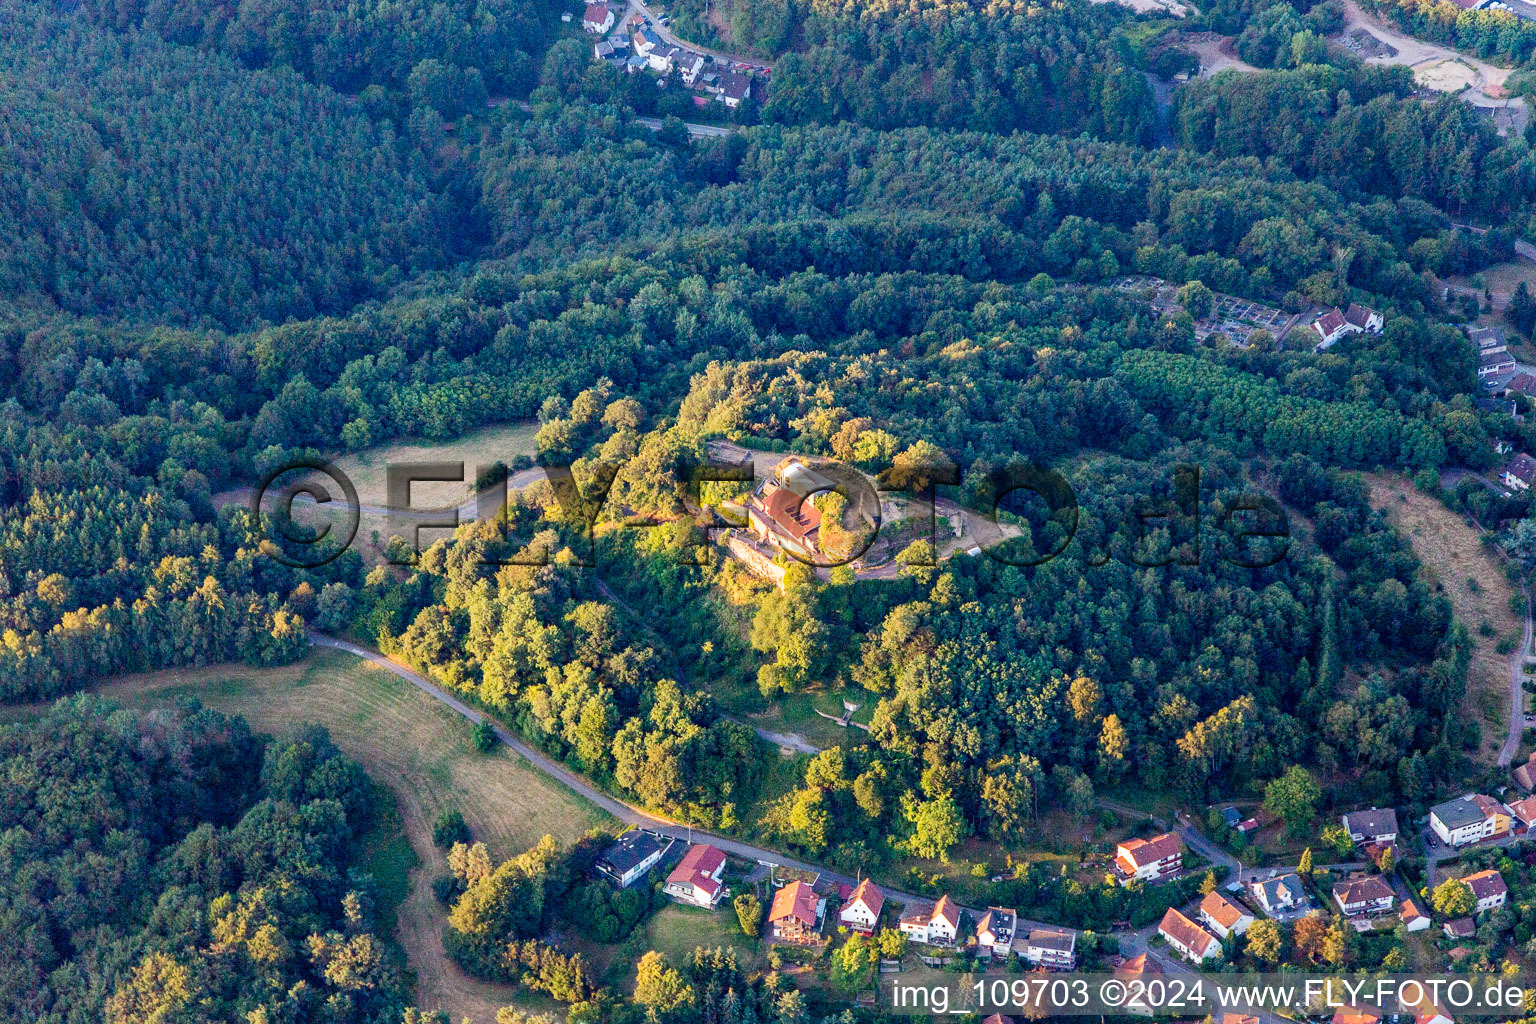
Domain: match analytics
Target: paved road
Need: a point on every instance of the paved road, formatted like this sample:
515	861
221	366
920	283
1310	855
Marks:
617	808
638	9
695	130
1517	689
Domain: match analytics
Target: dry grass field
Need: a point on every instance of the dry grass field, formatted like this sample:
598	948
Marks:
503	443
1473	579
421	752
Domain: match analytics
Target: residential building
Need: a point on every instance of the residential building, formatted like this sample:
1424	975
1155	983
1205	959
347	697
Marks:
1460	928
1519	473
997	1018
796	913
1051	948
1414	919
1363	318
1139	966
696	879
1239	1018
661	57
599	18
689	65
734	87
1231	816
1468	819
1331	327
861	911
1364	896
994	932
1376	825
645	41
1494	362
1523	813
938	926
1489	888
630	858
1525	775
1224	916
1487	339
1278	894
781	513
1519	384
1149	859
602	50
1188	938
1355	1015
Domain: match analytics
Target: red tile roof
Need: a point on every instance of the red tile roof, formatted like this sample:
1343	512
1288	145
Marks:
796	516
868	895
1149	851
696	867
1330	322
796	900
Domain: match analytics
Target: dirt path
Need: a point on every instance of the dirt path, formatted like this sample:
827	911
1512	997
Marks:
1472	578
1487	80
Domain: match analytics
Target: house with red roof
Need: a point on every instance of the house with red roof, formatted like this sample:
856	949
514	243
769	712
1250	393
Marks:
696	879
599	18
937	927
861	910
796	914
1149	859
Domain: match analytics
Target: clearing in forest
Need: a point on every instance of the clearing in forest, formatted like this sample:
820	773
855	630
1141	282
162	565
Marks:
422	752
1473	579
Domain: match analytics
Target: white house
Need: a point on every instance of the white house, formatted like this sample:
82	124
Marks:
1149	859
1277	894
1489	888
1468	819
599	18
630	858
696	879
1375	825
1363	318
689	65
994	932
1050	948
861	912
1365	896
1332	326
1414	919
1519	473
938	927
1188	938
1224	916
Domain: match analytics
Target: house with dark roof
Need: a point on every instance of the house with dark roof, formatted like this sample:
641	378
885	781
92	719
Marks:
734	87
1519	473
630	858
1363	897
1375	825
1459	928
1279	894
1053	948
1363	318
1468	819
1487	339
994	932
1489	888
1494	362
696	879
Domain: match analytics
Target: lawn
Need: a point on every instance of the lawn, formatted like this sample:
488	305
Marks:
500	443
1453	552
421	751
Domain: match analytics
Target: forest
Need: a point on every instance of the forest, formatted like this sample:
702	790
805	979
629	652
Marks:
233	236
